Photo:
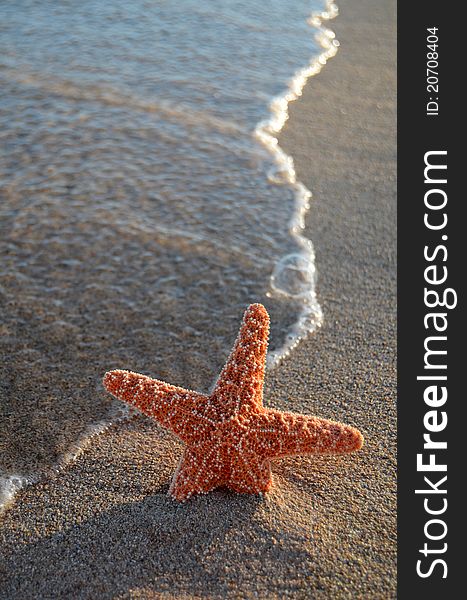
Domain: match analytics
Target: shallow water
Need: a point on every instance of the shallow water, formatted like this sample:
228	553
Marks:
144	203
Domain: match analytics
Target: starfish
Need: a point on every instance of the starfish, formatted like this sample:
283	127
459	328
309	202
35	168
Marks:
230	437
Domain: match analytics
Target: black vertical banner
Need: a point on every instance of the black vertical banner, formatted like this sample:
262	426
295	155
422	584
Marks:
432	260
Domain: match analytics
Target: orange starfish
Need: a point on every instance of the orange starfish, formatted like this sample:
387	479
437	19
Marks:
230	436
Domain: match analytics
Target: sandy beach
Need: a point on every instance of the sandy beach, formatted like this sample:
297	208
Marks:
105	527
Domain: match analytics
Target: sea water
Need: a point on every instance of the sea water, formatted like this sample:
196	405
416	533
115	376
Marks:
145	202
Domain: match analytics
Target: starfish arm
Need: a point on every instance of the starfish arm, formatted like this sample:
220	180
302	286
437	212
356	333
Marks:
196	474
287	434
240	384
173	407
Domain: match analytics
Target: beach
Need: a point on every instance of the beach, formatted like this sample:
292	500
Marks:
104	527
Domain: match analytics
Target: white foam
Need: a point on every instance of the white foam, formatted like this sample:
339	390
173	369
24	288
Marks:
10	485
295	274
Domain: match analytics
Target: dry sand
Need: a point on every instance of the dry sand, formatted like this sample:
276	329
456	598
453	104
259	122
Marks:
105	528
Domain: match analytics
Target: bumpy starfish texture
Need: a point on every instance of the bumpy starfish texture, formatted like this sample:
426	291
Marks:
230	436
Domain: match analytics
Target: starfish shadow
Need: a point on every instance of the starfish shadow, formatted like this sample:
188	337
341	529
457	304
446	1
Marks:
203	548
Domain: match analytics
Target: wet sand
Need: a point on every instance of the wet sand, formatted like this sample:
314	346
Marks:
105	527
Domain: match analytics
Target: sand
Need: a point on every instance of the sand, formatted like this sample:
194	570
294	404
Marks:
104	528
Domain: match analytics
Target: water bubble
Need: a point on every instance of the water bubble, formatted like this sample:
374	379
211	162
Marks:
294	275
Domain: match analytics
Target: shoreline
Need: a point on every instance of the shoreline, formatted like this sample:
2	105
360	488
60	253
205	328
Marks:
267	133
105	525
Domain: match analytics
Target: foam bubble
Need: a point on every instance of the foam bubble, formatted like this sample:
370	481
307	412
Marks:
294	275
10	485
